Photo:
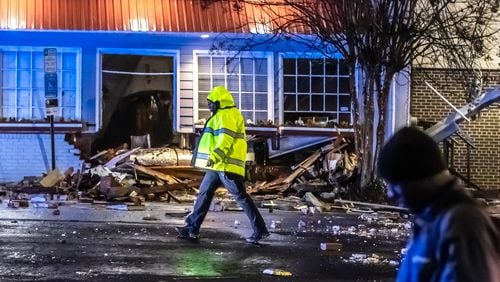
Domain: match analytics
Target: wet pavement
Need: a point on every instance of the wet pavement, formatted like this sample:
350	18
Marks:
92	243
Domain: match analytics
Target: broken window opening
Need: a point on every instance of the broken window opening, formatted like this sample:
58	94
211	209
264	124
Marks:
137	99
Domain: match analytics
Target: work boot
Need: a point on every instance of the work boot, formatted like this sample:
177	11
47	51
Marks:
184	233
255	238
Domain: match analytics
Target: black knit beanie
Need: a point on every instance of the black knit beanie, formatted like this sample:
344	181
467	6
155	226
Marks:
410	155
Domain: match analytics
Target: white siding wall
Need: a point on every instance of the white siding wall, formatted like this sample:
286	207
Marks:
185	106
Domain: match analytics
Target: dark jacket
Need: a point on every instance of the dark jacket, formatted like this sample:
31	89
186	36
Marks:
453	240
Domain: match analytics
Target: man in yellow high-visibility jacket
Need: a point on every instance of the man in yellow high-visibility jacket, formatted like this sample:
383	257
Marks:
222	152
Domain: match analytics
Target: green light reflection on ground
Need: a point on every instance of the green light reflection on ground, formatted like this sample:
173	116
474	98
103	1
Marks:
198	262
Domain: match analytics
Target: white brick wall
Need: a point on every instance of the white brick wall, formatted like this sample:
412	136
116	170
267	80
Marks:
30	155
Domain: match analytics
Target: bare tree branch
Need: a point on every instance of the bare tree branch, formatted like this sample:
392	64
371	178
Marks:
379	38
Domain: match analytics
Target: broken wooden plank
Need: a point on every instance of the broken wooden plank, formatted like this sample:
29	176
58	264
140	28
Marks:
309	197
163	189
52	178
331	147
373	206
312	187
302	167
98	155
161	176
185	172
112	163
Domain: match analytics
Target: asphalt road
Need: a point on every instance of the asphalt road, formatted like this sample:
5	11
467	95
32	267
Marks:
92	244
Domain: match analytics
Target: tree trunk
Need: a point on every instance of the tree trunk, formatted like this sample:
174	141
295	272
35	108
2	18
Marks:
383	100
369	131
363	126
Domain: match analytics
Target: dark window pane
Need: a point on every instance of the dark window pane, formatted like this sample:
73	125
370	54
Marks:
204	114
345	118
289	103
69	98
247	66
344	103
261	83
289	118
260	116
9	60
247	115
317	85
236	97
219	65
331	66
233	83
261	102
218	80
317	103
38	113
204	64
24	60
288	66
331	103
260	66
234	66
303	85
202	100
246	101
303	66
68	79
23	98
289	84
171	65
343	85
38	79
38	98
317	67
204	82
247	83
331	85
9	79
304	103
343	70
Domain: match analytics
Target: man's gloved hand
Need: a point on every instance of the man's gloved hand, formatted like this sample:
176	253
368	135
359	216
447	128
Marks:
210	163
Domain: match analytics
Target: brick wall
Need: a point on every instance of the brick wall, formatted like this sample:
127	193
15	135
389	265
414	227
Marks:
483	130
30	155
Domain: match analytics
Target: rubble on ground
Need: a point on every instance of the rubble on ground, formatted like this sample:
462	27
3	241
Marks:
318	183
119	175
123	180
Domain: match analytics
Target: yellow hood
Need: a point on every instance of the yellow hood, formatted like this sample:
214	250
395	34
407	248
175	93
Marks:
221	94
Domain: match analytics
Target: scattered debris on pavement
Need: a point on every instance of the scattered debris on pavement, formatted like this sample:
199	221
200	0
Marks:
277	272
124	180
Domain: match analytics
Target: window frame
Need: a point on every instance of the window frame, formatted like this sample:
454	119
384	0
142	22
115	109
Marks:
176	115
281	97
269	56
78	81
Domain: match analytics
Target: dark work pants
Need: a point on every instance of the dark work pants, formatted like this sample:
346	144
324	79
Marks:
236	186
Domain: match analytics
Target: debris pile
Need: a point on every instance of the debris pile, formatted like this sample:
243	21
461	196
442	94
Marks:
132	177
329	170
115	175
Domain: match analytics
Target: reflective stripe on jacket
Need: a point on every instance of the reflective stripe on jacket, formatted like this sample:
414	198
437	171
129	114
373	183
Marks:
223	138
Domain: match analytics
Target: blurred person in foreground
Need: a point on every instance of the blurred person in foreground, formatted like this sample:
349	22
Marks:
222	151
453	238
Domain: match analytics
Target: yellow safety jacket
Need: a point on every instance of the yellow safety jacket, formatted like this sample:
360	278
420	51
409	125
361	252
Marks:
223	140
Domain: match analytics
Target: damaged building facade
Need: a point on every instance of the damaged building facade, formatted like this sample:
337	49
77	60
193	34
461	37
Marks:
144	68
135	69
